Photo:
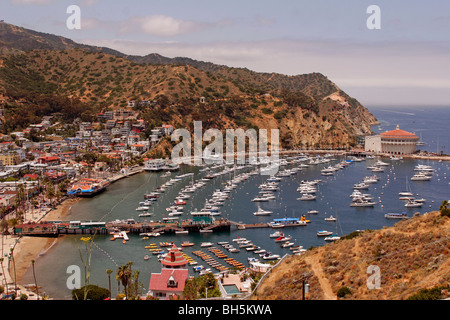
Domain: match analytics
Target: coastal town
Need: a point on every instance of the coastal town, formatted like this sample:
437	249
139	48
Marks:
41	178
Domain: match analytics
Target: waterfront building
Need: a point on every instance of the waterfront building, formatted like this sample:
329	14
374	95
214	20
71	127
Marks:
396	141
170	282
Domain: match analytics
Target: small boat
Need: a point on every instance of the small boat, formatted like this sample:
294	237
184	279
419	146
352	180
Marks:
324	233
283	239
330	218
307	197
313	211
270	256
276	225
187	244
402	215
142	208
413	204
420	177
146	257
276	234
287	244
206	244
146	214
262	212
332	238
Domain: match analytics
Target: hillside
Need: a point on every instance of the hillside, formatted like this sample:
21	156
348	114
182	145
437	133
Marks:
411	255
42	74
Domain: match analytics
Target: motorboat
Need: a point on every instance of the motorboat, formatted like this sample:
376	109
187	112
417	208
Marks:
359	202
413	204
145	214
332	238
381	163
276	234
307	197
283	239
330	218
324	233
402	215
142	208
276	225
422	167
206	244
287	244
270	256
262	212
420	177
313	212
361	186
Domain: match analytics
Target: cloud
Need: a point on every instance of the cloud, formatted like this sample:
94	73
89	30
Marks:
26	2
160	26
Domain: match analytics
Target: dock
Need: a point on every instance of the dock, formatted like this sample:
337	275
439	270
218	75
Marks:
55	228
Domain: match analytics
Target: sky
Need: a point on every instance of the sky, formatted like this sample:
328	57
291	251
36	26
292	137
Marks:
406	61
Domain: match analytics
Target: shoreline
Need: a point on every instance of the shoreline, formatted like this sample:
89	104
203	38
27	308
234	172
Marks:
26	249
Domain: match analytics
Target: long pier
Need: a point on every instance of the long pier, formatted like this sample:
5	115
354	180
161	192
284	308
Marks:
55	228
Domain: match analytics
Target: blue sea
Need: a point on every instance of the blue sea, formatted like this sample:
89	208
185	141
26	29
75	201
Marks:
430	124
121	199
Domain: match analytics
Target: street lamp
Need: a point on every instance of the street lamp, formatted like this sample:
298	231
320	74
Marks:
303	279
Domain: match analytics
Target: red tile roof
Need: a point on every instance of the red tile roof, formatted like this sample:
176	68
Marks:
397	133
160	281
174	258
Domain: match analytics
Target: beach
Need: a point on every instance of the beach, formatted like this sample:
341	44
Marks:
27	249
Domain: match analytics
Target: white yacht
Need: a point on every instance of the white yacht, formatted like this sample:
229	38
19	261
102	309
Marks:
358	202
381	163
262	212
307	197
324	233
413	204
420	177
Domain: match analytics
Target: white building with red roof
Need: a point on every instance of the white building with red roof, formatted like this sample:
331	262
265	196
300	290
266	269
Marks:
396	141
172	279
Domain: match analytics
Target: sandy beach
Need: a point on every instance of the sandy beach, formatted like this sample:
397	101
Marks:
27	249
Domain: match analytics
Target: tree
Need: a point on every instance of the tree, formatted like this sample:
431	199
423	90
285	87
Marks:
86	261
444	209
93	293
35	282
124	274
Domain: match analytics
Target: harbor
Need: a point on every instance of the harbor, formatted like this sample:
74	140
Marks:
225	195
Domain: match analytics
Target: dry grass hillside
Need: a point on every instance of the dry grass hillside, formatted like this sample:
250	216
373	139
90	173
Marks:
411	255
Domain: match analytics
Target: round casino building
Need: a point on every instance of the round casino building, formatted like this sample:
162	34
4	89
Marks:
394	142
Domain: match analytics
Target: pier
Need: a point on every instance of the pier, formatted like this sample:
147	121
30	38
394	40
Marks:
55	228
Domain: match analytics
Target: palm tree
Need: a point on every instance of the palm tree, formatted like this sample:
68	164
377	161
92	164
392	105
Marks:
124	275
35	282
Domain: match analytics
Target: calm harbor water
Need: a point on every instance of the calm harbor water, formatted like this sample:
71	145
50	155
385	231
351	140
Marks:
122	198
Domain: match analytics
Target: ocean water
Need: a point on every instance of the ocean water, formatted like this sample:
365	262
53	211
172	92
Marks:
430	124
122	198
